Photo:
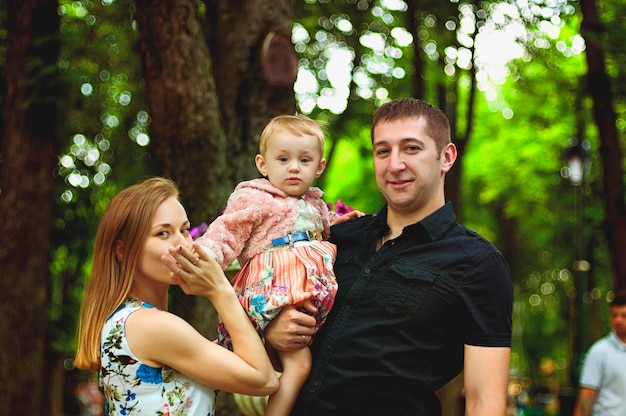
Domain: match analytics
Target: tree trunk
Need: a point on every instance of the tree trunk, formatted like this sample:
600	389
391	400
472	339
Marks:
255	68
27	192
209	101
599	87
186	126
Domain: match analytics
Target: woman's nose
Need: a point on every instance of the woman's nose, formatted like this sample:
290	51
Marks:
184	239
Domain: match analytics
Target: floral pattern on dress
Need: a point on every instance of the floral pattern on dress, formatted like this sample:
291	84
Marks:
131	387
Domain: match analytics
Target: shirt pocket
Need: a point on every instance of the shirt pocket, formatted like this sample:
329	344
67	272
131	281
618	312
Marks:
405	287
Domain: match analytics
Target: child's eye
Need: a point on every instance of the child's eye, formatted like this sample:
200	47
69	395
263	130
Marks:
305	160
282	159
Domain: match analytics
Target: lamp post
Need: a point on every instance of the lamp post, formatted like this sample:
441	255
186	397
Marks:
578	161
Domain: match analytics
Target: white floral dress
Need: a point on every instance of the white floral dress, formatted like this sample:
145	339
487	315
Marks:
131	387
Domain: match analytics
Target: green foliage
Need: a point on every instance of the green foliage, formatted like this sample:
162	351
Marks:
350	177
107	144
512	175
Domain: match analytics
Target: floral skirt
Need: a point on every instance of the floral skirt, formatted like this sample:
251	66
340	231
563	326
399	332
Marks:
275	278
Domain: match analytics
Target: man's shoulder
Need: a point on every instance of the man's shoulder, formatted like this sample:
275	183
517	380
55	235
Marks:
599	350
471	239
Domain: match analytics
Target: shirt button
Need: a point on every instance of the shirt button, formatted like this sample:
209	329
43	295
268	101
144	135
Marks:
367	270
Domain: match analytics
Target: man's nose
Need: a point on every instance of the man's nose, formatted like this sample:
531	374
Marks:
396	161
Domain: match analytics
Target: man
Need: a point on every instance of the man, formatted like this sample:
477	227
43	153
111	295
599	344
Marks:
602	389
420	297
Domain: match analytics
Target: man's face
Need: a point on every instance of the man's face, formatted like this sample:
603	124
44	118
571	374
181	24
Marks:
618	320
409	170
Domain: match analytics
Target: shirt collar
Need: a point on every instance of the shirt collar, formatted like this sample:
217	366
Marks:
618	342
434	226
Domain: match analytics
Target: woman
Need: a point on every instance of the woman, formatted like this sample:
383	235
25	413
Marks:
150	360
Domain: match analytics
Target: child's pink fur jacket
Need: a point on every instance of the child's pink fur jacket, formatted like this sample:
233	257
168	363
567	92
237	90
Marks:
256	213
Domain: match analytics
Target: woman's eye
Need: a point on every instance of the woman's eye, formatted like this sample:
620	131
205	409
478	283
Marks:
185	231
163	233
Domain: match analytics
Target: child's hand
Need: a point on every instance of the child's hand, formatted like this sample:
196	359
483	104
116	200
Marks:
347	217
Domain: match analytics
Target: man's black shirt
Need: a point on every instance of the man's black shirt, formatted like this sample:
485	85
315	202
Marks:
403	314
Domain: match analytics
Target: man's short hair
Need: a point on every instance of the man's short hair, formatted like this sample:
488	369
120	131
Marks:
437	124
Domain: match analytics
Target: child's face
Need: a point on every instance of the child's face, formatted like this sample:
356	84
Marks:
291	162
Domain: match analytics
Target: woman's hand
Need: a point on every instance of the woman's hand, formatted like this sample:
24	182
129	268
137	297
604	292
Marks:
196	272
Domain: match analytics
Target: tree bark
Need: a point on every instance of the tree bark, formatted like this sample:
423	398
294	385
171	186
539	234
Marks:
29	148
599	87
249	93
212	87
186	126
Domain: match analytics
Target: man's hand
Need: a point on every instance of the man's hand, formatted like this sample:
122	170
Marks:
291	329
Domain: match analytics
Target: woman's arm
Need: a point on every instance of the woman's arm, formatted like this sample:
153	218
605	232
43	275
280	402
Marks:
163	338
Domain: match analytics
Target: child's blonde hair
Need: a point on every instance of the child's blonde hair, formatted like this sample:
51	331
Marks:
299	125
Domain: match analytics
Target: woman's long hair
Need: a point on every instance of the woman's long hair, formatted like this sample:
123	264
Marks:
121	234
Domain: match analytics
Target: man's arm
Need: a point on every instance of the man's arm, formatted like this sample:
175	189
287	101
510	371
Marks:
586	398
486	375
285	332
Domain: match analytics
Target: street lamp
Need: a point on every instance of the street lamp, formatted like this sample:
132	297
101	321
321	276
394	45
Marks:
577	158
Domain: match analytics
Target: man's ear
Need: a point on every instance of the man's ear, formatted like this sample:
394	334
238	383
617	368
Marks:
260	164
448	157
119	249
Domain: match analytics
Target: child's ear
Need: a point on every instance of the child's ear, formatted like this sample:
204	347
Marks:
320	168
119	250
260	164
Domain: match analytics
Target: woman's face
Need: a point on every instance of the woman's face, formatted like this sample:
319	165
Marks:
170	227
